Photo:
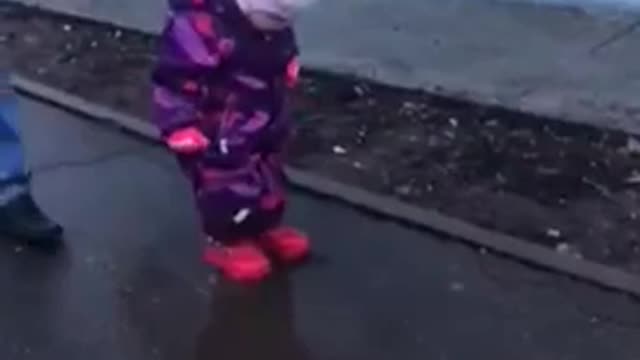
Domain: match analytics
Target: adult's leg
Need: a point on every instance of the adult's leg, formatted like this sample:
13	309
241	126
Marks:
20	216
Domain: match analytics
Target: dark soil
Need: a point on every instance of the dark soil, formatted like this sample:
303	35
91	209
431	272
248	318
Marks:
570	187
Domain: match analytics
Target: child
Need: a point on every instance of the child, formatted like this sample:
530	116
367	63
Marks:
219	100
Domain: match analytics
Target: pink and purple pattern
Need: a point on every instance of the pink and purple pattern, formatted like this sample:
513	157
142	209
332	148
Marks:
217	72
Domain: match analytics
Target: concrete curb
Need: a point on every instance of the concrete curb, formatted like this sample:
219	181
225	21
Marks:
598	274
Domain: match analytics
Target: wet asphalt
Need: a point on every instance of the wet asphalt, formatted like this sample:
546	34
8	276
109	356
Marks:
129	284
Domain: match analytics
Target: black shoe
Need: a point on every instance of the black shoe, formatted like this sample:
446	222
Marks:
21	218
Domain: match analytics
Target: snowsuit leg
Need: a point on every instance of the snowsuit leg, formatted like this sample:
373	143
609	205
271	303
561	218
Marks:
239	203
238	180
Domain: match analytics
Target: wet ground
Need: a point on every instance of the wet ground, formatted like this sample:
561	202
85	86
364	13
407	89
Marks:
129	285
569	187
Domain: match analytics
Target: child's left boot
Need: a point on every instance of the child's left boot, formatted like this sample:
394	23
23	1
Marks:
243	261
286	244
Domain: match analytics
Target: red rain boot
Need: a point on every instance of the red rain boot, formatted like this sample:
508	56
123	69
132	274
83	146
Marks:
286	244
242	261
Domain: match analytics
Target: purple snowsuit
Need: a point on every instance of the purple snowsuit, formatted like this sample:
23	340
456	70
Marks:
219	73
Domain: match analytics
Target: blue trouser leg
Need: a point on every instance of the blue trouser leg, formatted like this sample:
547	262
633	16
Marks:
13	177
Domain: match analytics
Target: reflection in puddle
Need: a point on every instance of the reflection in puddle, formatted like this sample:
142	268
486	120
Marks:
251	322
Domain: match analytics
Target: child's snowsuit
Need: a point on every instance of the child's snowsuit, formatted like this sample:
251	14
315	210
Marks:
217	72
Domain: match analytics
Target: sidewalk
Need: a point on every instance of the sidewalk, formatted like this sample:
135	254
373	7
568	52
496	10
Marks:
129	285
538	58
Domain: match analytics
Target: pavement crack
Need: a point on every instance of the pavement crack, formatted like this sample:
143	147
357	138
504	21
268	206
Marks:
98	160
615	37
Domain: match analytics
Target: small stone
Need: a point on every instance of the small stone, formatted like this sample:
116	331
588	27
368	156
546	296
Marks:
357	165
359	91
126	290
30	39
94	44
433	141
18	249
409	105
404	190
212	279
67	27
453	122
202	291
117	34
634	179
111	267
633	146
339	150
450	134
563	248
456	286
554	233
492	123
547	171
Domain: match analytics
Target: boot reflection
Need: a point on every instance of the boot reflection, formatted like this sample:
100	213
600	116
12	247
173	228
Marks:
249	323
